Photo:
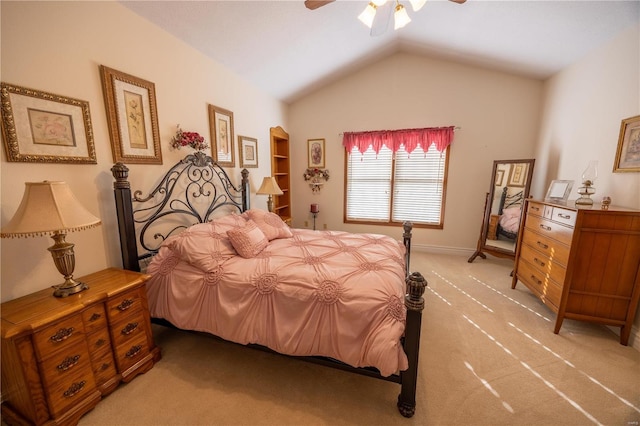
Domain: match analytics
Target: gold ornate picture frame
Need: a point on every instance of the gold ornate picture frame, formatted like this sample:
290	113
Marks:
42	127
221	128
248	150
132	117
628	151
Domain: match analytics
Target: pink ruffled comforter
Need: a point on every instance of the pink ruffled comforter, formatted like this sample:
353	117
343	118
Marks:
326	293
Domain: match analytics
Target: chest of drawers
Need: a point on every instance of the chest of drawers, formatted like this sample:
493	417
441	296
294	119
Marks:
582	264
61	355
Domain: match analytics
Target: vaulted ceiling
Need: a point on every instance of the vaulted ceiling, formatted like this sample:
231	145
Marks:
288	50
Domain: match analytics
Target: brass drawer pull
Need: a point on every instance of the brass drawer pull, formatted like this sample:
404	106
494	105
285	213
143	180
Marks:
564	216
126	304
130	328
533	277
104	366
541	244
538	261
69	362
546	228
536	208
100	342
74	389
95	317
62	335
135	350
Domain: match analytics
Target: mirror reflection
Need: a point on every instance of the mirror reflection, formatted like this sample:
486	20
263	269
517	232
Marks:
509	186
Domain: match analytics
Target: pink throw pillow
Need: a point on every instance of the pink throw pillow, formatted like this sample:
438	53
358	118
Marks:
248	241
269	223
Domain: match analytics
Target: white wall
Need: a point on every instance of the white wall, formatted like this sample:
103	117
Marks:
498	114
57	47
583	108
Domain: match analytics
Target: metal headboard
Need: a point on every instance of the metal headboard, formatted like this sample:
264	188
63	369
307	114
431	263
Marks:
507	201
191	192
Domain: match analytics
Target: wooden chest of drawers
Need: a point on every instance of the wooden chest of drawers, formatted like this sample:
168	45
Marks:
583	264
60	355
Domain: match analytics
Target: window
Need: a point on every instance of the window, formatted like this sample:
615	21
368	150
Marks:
384	189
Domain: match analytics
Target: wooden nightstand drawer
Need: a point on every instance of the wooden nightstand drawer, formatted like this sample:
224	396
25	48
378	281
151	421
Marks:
98	340
131	351
103	365
70	390
63	334
128	329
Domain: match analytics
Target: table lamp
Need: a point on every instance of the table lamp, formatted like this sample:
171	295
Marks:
269	187
50	208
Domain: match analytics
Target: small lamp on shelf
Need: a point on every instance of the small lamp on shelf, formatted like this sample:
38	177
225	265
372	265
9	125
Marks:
269	187
587	190
50	208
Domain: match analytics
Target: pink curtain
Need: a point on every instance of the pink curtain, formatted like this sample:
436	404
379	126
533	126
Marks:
392	139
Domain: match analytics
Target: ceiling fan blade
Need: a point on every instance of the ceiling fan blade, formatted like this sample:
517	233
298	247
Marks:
382	19
314	4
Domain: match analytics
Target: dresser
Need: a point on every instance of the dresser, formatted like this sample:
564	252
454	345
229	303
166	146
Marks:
61	355
583	264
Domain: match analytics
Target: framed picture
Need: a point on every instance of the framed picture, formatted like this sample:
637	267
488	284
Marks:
499	177
628	153
248	148
315	148
559	191
40	127
132	117
517	174
221	126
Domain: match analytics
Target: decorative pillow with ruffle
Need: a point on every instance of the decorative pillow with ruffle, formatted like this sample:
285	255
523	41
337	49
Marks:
269	223
248	241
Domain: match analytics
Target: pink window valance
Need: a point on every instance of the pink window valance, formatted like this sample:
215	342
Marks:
392	139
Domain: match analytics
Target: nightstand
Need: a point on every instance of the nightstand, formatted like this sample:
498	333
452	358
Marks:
61	355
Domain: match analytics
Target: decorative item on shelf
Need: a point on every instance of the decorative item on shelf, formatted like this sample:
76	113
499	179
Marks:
190	139
314	209
50	208
269	187
316	178
606	202
587	190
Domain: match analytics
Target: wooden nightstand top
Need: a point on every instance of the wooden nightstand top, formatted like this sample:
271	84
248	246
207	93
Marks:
35	310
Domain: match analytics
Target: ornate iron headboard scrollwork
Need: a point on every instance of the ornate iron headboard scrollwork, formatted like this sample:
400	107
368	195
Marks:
191	192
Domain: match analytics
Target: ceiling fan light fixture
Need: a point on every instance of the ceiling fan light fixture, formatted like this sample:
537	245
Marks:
367	15
417	4
400	17
378	3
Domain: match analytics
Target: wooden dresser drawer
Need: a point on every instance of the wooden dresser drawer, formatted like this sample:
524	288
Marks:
557	252
94	318
123	304
536	209
131	351
565	216
62	334
543	287
544	264
103	365
99	339
69	390
550	229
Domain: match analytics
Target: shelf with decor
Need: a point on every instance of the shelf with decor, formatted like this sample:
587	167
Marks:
280	170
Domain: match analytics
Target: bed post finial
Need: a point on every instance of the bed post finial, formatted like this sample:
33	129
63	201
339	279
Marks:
246	193
121	174
416	285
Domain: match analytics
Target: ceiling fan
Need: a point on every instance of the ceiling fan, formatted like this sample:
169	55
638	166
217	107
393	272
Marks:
377	14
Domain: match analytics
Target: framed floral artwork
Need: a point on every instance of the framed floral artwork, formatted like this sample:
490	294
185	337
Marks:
517	175
41	127
628	152
248	148
132	117
315	149
221	126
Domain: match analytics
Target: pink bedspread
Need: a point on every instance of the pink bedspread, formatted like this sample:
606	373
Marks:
326	293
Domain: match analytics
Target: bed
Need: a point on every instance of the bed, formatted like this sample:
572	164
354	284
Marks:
509	212
217	266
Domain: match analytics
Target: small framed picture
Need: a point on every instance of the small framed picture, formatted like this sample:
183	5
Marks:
517	175
40	127
499	177
559	191
628	152
132	117
248	151
315	149
221	127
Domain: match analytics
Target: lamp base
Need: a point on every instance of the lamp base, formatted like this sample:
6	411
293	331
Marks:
69	287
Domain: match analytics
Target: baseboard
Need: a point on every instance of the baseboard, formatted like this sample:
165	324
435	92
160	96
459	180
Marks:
634	336
455	251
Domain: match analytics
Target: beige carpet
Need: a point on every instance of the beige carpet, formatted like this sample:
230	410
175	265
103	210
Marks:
488	357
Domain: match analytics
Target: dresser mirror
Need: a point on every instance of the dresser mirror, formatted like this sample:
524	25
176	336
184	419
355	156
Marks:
509	186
